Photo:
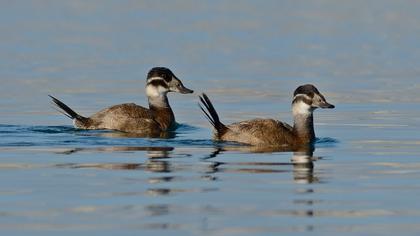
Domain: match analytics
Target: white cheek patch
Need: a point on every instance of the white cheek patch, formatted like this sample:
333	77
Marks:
301	108
153	91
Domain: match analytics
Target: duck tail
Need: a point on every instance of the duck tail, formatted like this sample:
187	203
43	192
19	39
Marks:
65	110
212	115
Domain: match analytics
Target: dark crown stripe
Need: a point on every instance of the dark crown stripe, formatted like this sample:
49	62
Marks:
307	89
162	72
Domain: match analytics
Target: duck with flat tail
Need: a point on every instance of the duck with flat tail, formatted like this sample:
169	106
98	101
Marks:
270	132
130	117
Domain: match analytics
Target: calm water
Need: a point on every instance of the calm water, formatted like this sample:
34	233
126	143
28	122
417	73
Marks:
362	178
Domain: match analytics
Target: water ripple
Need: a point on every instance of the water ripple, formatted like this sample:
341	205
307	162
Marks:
24	136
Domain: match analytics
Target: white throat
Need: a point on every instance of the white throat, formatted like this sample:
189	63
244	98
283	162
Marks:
155	91
157	96
301	108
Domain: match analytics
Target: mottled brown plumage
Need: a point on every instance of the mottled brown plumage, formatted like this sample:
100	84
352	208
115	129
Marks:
269	132
132	118
259	132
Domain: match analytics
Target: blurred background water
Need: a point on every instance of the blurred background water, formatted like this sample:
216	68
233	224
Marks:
248	56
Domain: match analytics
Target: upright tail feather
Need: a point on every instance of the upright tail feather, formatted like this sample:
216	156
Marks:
65	110
212	115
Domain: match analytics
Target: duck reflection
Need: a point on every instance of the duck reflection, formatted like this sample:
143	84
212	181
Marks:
158	166
153	164
302	161
303	167
145	134
151	152
161	170
150	165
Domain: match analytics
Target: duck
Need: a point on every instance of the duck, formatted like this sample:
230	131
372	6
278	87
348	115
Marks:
133	118
270	132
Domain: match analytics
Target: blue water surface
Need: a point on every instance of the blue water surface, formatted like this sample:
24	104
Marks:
248	56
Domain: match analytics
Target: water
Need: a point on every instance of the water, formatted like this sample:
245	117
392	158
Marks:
361	179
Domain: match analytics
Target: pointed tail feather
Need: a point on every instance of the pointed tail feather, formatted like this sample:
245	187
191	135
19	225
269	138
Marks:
65	110
212	115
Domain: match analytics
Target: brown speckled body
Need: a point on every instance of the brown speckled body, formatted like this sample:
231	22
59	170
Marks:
130	117
264	132
269	132
257	132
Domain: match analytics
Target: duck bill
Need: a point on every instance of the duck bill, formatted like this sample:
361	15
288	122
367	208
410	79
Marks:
180	88
326	105
184	90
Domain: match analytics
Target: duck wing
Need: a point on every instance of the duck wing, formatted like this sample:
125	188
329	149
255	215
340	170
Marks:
127	117
260	132
130	110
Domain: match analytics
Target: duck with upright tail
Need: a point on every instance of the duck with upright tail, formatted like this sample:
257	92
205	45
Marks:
269	132
130	117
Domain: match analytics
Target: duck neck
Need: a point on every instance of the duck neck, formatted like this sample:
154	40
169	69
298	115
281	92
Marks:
304	128
303	125
161	111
